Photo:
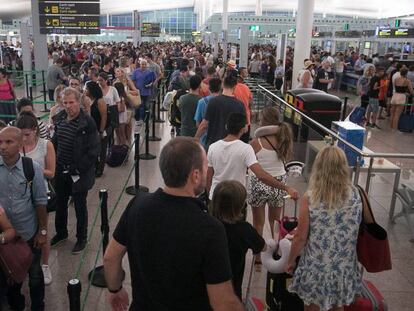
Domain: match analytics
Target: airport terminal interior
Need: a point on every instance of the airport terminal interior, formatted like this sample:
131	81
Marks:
307	77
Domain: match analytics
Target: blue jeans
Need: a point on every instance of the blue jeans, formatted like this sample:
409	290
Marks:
36	285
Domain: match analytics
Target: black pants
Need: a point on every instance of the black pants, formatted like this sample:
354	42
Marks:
100	163
63	190
36	285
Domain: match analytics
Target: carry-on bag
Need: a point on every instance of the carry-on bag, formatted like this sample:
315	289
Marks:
370	300
117	155
15	260
278	298
357	115
406	121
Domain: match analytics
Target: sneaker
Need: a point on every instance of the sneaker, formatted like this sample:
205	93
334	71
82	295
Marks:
381	118
79	247
368	124
47	274
56	240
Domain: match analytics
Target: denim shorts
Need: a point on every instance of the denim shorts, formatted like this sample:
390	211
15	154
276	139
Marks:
373	105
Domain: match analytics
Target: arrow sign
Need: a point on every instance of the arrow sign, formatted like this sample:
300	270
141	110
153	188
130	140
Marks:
47	10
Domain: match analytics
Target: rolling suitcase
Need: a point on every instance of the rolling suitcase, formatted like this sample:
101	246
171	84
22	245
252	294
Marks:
278	298
406	122
371	299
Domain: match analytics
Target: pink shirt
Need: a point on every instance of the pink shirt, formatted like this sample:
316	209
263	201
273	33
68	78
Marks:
5	91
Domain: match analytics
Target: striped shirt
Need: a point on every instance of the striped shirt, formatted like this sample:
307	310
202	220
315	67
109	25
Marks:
66	133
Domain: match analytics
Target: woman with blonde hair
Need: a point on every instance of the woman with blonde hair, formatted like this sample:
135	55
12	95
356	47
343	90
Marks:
130	89
273	148
327	275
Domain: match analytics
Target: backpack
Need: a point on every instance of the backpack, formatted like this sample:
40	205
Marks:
175	114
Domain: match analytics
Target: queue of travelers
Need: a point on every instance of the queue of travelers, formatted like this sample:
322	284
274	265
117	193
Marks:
171	236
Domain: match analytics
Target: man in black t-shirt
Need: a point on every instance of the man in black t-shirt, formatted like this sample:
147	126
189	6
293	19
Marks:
218	110
108	68
324	77
177	252
373	94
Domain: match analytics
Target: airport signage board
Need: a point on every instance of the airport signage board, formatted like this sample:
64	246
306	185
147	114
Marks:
69	17
395	33
150	30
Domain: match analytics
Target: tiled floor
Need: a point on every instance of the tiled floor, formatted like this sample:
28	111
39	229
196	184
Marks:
397	285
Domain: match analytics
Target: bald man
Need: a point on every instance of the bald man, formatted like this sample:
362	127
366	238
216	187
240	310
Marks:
25	207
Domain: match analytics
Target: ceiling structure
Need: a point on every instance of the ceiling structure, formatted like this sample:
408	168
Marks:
15	9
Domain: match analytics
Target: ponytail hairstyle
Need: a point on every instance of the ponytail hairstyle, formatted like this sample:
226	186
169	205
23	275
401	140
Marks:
284	139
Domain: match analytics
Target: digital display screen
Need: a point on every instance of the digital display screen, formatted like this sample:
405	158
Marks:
69	17
150	30
367	45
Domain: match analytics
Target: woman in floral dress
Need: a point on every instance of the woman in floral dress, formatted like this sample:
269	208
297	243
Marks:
327	276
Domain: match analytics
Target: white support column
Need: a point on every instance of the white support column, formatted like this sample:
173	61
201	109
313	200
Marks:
26	52
259	8
304	21
225	23
40	41
244	46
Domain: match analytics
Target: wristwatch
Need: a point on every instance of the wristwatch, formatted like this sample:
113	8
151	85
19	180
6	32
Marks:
43	232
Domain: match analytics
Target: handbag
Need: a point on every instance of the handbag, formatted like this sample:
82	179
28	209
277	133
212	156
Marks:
134	101
373	249
15	260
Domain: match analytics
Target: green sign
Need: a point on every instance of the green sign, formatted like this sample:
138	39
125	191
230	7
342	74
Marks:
254	28
397	23
346	27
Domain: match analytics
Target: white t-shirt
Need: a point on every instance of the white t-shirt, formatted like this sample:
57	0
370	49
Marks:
230	161
112	97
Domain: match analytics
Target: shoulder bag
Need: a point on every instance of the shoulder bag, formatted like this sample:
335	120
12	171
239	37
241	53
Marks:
373	249
15	260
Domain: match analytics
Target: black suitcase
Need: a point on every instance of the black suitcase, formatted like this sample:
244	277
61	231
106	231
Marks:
406	121
278	298
117	155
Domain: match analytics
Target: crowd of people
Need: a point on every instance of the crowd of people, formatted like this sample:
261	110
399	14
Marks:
186	242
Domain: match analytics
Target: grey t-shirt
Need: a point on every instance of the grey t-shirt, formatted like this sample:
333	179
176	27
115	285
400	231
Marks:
188	107
54	76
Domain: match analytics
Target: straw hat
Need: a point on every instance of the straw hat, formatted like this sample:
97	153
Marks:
308	63
231	63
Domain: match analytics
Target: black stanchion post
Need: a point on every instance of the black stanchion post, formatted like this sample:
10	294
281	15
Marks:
45	109
74	289
26	81
147	155
158	104
31	93
137	188
97	275
344	107
153	137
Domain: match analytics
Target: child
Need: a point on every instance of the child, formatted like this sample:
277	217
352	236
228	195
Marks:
229	200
